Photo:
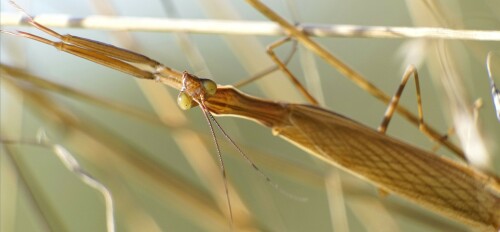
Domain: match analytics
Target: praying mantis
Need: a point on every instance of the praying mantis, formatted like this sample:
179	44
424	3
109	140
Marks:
288	120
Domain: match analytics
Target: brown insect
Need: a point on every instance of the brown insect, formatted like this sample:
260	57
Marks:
440	184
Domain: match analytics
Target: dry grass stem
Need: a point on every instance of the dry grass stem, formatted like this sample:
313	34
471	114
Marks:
234	27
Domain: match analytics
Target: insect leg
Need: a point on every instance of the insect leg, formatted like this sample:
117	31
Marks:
412	71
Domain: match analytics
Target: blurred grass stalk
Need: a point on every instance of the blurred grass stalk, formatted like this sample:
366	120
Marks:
241	27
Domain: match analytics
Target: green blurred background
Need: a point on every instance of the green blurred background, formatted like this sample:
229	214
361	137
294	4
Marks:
150	166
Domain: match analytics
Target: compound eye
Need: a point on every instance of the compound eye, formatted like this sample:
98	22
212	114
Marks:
209	86
184	101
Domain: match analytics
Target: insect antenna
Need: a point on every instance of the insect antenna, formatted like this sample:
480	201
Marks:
254	166
208	115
